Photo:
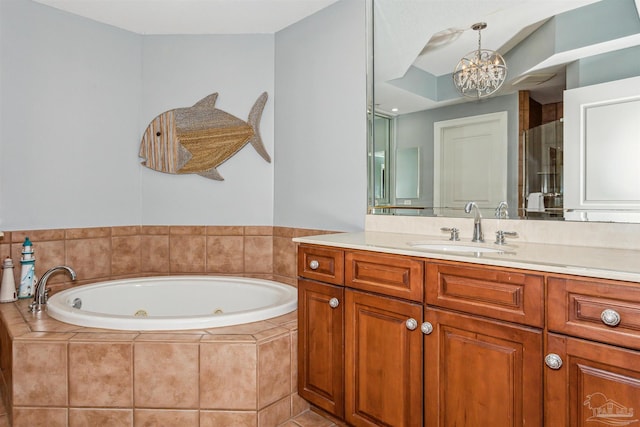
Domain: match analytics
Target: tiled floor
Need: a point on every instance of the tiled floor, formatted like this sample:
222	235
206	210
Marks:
308	419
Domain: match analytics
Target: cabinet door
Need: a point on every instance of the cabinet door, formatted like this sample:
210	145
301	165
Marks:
480	372
321	345
383	361
596	385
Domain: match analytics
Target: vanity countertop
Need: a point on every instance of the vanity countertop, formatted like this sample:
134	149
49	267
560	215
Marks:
606	263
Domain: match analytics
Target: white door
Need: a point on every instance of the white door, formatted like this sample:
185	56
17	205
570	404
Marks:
470	163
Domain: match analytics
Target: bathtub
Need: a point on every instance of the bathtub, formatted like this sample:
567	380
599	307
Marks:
172	302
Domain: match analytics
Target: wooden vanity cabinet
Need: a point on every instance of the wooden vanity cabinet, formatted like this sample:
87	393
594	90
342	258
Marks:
592	374
321	327
392	340
383	342
366	332
321	345
481	370
595	385
383	361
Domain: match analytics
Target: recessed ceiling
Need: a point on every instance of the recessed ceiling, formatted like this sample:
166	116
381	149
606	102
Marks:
193	16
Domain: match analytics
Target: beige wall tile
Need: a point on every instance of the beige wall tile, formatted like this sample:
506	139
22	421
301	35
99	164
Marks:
258	254
86	233
284	257
221	230
228	376
154	254
90	258
275	414
164	417
39	417
100	374
37	235
225	254
294	361
187	253
258	230
228	418
40	377
287	232
298	405
274	370
157	230
48	254
187	230
128	230
125	256
166	375
85	417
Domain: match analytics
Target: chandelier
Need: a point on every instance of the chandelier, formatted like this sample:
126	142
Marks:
480	72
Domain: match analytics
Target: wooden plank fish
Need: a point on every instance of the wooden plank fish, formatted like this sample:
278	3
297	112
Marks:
198	139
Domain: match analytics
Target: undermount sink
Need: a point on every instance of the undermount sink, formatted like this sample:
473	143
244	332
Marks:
454	247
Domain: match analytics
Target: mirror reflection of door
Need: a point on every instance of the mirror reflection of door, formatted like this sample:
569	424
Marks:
381	149
470	163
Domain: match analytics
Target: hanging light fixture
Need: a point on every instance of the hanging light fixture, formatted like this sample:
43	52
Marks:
480	72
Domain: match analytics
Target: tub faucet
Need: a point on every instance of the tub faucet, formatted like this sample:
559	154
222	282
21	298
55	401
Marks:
41	293
477	221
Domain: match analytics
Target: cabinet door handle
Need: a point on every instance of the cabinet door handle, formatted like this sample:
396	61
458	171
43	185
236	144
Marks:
553	361
610	317
426	328
334	302
411	324
314	264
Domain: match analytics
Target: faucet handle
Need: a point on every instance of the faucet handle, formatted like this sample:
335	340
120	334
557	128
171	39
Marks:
500	235
454	233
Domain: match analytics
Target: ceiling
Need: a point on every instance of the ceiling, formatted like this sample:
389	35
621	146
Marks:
432	35
193	16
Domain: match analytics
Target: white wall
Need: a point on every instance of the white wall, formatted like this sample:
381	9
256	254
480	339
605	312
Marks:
177	72
76	98
70	100
320	175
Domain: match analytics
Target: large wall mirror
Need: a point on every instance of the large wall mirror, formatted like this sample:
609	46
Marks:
550	142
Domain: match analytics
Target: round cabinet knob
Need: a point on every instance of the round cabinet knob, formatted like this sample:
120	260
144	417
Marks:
412	324
314	264
426	328
610	317
553	361
334	302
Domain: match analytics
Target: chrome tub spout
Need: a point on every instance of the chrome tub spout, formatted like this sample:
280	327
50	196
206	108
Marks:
41	293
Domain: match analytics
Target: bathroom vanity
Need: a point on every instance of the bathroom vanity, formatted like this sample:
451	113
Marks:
393	335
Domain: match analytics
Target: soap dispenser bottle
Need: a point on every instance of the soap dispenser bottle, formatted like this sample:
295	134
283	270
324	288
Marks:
8	286
28	271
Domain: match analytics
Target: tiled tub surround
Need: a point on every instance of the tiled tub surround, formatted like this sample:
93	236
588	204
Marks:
107	253
68	375
58	374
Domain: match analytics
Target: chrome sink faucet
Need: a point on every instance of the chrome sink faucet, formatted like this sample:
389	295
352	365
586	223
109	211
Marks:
41	293
477	221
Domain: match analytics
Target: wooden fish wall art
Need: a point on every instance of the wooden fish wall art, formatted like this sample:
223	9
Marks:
198	139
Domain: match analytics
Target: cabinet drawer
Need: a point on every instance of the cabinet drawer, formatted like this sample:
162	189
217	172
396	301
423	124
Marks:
580	307
392	275
498	293
321	263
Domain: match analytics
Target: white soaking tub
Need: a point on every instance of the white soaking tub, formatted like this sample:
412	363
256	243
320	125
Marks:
173	302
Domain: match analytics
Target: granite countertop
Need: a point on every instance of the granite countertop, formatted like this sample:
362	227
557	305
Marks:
606	263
